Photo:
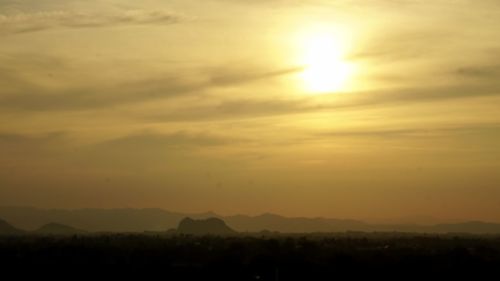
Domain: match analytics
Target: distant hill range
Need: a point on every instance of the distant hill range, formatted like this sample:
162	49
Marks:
212	226
47	229
140	220
8	229
58	229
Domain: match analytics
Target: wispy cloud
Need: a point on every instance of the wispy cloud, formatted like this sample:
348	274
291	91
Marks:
231	109
154	140
487	71
22	146
403	44
144	149
416	132
251	108
26	92
39	21
10	139
22	92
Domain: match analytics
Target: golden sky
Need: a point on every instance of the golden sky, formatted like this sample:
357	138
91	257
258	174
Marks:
335	108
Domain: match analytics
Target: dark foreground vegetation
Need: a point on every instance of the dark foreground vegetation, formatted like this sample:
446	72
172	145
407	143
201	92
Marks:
312	257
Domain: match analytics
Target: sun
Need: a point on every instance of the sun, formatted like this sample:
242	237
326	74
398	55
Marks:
325	69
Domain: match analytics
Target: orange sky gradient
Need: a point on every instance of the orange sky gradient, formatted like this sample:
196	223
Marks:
346	109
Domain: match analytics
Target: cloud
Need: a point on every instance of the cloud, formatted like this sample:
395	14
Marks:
429	30
101	96
30	146
253	108
487	71
10	139
403	44
430	132
145	139
44	20
38	83
426	94
267	3
152	141
138	151
236	109
28	84
151	150
228	76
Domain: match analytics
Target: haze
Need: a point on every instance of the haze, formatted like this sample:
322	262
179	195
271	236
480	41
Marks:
345	109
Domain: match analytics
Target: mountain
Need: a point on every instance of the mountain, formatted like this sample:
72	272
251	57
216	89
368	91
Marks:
411	220
284	224
475	227
58	229
140	220
212	226
8	229
95	220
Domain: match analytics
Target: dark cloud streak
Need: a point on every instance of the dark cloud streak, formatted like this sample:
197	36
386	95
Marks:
417	133
247	109
40	21
24	94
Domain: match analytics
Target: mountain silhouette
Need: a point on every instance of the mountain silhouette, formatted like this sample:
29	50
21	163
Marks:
58	229
476	227
140	220
274	222
95	220
212	226
8	229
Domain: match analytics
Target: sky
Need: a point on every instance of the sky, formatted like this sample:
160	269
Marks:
331	108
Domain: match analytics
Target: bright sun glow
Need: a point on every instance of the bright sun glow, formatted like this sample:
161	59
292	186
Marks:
325	68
